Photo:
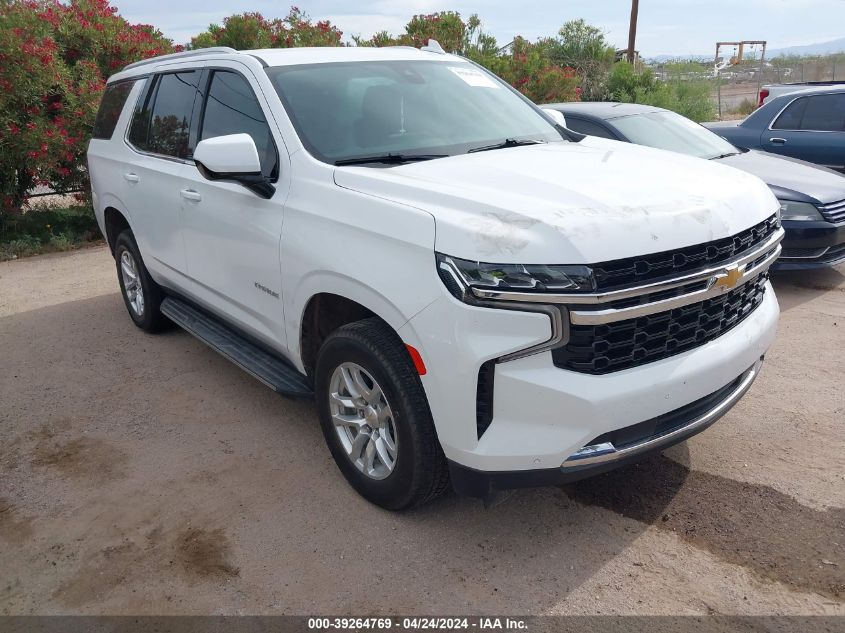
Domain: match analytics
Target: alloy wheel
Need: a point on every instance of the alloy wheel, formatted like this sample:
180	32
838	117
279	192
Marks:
363	420
132	283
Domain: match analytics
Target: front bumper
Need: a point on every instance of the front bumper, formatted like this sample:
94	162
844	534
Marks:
643	439
810	245
542	414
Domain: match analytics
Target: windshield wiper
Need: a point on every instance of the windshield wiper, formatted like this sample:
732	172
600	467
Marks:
726	155
388	158
508	142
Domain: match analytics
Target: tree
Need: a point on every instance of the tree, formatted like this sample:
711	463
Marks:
54	60
525	66
582	47
246	31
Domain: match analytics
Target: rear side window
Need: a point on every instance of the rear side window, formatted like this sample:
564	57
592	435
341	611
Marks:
825	113
821	113
114	98
589	128
790	119
162	123
232	108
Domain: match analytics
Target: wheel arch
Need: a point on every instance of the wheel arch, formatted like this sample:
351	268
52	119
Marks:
324	313
114	222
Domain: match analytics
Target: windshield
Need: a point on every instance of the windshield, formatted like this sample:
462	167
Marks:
350	110
667	130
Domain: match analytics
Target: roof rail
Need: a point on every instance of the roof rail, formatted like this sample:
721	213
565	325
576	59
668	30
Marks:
191	53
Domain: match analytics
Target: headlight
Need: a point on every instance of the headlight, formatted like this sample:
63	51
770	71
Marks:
459	274
790	210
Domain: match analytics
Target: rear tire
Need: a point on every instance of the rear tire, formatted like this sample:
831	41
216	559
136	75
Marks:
141	295
376	419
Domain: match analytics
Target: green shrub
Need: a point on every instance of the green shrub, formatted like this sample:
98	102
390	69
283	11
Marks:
45	230
691	98
746	107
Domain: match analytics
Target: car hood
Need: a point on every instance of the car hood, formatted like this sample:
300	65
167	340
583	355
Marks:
790	178
559	203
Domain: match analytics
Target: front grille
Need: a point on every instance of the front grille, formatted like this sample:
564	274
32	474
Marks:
834	212
605	348
633	270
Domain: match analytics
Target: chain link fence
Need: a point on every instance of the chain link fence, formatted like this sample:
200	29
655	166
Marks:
735	86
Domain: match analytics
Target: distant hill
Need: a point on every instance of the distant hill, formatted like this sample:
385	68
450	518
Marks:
823	48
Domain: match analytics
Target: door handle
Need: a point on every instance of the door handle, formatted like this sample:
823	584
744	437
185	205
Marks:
190	194
130	177
777	141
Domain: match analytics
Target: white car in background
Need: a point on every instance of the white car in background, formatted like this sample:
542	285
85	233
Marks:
773	91
469	291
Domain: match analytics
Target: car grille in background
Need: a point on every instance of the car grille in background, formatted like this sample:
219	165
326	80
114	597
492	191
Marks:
600	349
834	212
622	272
803	253
824	255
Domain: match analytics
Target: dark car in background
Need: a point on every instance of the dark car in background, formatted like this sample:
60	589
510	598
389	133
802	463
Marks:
812	198
808	124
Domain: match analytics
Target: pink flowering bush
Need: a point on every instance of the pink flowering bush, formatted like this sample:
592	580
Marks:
531	72
252	30
54	60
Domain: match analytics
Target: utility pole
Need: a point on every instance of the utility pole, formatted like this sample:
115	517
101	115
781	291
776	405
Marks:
632	31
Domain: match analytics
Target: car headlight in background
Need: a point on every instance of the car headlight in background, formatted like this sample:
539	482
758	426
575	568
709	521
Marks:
460	274
790	210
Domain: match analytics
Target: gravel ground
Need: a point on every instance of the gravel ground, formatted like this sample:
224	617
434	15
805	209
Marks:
147	475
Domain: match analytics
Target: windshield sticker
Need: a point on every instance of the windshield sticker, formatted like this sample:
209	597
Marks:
474	77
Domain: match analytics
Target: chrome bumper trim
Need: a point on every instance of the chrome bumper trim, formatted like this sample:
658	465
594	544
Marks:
606	452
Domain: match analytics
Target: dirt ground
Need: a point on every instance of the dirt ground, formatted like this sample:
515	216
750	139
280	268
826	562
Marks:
147	475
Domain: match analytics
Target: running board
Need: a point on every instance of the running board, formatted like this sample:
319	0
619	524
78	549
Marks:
268	368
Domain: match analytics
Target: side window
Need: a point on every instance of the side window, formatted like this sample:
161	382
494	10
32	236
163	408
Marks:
114	98
790	119
589	128
232	108
824	113
162	123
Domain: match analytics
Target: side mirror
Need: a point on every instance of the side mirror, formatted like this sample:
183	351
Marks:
556	116
233	157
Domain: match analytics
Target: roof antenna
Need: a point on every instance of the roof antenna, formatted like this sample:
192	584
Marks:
433	46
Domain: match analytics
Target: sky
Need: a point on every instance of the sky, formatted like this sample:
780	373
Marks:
666	27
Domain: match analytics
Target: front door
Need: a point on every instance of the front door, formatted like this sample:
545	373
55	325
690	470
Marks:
232	235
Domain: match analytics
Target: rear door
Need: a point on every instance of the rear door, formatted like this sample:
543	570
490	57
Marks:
159	136
232	235
811	128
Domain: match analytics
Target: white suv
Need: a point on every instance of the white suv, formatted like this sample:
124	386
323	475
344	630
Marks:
470	291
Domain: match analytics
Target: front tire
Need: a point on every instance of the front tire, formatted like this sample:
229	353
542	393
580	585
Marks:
141	295
375	417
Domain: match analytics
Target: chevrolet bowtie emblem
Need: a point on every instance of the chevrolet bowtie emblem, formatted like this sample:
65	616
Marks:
728	279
